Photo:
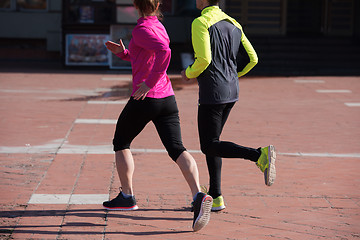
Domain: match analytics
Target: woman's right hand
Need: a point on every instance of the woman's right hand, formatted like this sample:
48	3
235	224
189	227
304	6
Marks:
115	48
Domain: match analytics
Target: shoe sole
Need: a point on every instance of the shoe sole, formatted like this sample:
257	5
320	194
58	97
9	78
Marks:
123	208
270	172
204	215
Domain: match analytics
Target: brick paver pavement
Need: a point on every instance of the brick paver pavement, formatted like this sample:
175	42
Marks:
57	165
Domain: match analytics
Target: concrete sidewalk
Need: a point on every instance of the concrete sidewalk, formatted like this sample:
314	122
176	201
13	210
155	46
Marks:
57	164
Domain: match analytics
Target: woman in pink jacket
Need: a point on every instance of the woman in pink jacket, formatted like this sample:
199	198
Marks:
153	100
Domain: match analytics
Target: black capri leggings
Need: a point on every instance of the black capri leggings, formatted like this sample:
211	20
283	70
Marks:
163	112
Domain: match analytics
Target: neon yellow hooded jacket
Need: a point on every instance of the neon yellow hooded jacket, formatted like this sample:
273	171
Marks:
202	46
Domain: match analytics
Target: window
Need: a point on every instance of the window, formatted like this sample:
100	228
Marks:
88	12
7	5
32	4
179	7
24	5
186	7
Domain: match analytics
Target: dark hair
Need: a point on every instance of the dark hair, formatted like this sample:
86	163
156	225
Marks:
147	7
213	2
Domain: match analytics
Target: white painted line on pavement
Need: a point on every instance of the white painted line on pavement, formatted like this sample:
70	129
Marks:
49	199
83	92
112	90
107	102
332	155
352	104
56	147
309	81
107	149
96	121
116	78
50	147
333	91
83	149
88	198
68	198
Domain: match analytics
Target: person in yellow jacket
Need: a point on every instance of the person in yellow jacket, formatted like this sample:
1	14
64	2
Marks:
222	55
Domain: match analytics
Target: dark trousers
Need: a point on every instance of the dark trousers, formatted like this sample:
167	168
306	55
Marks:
163	112
211	121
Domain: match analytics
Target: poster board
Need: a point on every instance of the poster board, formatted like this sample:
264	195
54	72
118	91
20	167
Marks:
126	14
86	50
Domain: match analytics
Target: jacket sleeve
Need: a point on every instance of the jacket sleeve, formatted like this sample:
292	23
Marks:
252	59
201	43
148	40
124	55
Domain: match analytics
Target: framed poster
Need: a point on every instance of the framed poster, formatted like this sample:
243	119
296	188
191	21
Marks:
86	50
126	14
86	14
122	32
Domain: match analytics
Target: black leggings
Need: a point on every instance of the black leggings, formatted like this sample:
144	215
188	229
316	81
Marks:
163	112
211	121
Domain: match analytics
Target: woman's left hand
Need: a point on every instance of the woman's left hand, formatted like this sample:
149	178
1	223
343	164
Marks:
141	92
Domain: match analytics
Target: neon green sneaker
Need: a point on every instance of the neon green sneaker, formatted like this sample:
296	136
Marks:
266	163
218	204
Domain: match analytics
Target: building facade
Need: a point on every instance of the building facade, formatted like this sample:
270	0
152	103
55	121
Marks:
37	19
67	25
289	17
